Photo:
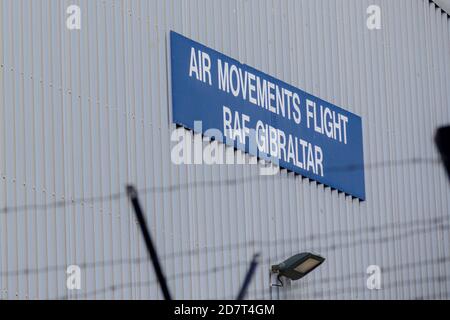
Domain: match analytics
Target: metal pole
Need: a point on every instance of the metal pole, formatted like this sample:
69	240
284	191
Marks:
132	194
248	277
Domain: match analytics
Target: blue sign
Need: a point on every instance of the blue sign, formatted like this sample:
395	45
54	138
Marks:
233	103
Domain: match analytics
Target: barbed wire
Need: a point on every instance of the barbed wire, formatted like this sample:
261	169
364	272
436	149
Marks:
138	284
344	232
61	203
388	269
357	289
204	183
323	292
196	184
218	249
316	294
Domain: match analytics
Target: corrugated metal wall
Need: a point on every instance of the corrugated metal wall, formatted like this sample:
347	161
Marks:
82	113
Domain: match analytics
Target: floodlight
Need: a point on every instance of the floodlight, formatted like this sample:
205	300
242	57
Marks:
298	266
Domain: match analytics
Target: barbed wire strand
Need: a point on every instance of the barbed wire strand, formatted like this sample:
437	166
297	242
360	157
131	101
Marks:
326	248
321	281
350	290
181	275
205	183
196	184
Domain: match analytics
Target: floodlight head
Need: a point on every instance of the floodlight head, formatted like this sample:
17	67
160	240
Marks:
298	266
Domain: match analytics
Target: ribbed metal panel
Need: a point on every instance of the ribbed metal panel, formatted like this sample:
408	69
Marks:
83	113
